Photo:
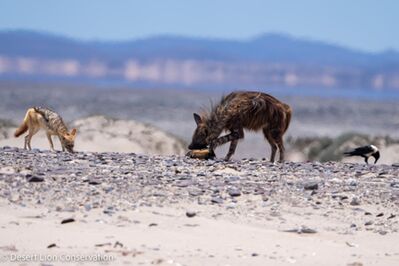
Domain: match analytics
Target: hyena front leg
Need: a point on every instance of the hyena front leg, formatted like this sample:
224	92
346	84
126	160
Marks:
232	149
233	144
224	139
233	137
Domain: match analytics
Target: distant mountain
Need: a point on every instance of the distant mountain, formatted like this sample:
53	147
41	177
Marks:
268	60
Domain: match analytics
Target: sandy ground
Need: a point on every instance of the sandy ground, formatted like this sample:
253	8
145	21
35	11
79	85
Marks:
101	134
128	239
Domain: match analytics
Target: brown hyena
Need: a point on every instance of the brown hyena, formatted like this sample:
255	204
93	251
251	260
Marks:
238	111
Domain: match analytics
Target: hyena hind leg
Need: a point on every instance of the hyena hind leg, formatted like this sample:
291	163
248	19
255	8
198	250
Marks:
281	148
272	143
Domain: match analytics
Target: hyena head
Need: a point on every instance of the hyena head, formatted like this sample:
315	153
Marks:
68	140
200	135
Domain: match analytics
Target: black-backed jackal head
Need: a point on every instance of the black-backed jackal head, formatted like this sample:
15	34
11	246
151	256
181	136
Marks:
68	140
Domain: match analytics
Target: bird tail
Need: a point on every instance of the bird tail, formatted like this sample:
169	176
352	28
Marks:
348	153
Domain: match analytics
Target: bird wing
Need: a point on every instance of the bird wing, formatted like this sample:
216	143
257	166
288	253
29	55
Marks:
361	150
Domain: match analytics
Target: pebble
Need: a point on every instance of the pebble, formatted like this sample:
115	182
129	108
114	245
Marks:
68	220
190	214
382	232
234	192
217	200
355	201
195	192
93	181
35	179
311	185
301	230
184	183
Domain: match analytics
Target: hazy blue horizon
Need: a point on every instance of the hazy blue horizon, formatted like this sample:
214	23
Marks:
361	25
57	34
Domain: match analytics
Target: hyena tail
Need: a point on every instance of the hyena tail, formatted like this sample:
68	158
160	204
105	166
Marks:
288	114
23	127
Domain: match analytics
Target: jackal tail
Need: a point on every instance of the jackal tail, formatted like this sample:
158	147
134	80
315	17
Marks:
23	127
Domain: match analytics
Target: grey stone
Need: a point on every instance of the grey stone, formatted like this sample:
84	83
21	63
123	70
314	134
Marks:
190	214
68	220
355	201
234	192
35	179
217	200
311	185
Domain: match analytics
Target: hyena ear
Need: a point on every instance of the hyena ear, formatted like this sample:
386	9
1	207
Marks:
197	118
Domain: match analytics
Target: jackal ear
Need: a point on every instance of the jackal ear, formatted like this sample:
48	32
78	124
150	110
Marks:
197	118
73	132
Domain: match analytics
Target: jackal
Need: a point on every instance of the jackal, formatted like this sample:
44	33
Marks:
238	111
37	118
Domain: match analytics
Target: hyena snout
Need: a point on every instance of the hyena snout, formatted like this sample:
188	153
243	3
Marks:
197	146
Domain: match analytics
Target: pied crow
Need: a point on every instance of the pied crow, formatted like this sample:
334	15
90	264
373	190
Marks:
365	152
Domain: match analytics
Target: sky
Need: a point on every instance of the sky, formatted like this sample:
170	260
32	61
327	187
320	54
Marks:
360	24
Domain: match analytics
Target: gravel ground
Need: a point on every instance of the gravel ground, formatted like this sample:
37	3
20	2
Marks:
117	181
297	198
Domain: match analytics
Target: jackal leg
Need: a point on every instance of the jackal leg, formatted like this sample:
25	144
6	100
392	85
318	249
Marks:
50	141
28	138
62	143
26	142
